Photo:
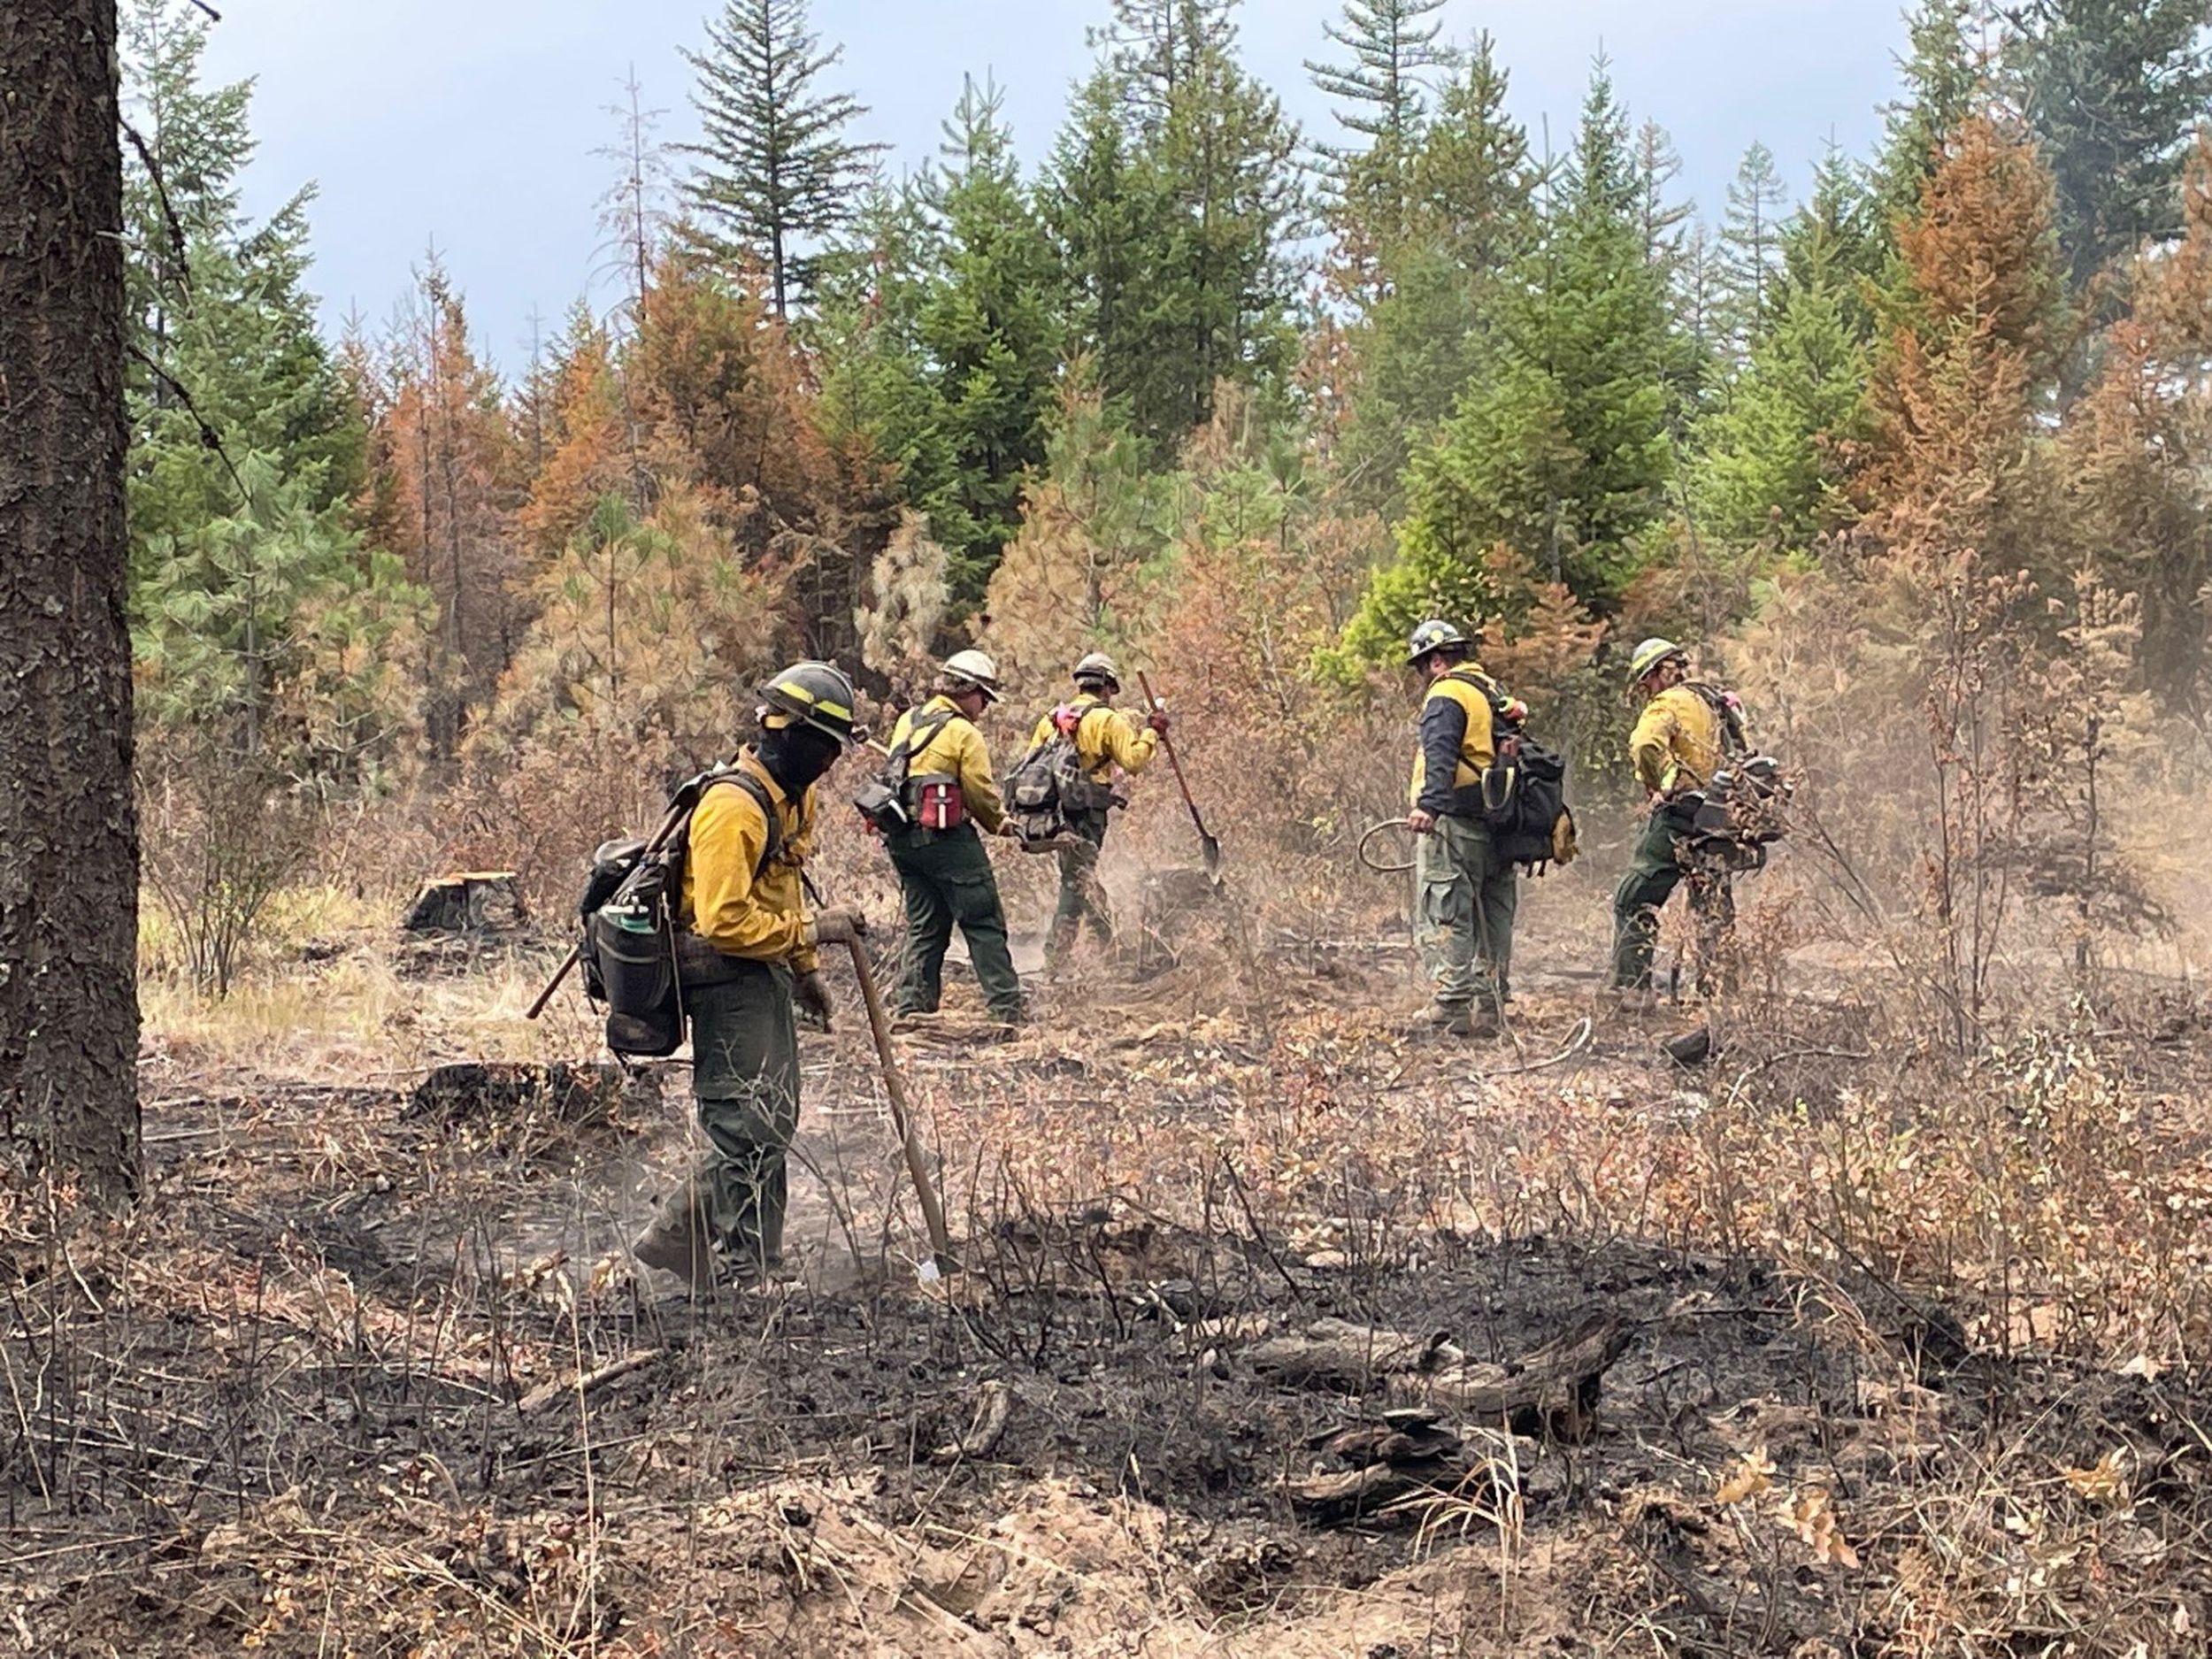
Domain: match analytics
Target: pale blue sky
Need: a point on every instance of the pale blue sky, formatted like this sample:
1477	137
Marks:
475	121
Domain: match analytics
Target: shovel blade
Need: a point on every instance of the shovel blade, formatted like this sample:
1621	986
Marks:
1210	851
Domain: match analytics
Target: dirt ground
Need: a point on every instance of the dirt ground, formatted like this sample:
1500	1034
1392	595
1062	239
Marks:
370	1373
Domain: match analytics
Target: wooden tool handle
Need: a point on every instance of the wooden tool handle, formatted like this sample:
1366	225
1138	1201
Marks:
901	1115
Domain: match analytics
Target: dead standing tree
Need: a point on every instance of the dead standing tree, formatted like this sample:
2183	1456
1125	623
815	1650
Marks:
69	884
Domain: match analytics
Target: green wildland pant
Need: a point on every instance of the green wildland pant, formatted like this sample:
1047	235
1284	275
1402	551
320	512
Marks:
946	878
1655	870
745	1074
1082	895
1468	897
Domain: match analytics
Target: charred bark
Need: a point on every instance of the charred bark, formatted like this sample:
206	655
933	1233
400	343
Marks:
69	879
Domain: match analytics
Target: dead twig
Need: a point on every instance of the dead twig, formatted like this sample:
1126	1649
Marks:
587	1383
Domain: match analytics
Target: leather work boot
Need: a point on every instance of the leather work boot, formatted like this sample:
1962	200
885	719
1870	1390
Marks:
677	1242
1442	1019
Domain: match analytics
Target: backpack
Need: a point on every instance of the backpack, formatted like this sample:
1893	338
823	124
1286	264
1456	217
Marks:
1051	788
1735	738
1734	819
1524	794
883	801
628	912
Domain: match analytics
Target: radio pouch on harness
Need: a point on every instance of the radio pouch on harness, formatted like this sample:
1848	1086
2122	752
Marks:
628	912
885	801
1051	788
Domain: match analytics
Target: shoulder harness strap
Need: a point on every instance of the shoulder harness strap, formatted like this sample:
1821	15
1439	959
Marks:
1733	739
758	790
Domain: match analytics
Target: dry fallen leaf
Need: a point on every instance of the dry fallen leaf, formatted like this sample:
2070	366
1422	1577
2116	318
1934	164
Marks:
2103	1482
1814	1518
1752	1476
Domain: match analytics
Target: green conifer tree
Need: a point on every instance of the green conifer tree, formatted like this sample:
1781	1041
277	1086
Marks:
991	327
1774	457
777	177
1751	247
2114	90
1559	451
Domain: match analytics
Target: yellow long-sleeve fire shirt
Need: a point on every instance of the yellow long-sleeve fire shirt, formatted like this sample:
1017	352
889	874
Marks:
955	749
763	919
1677	741
1102	743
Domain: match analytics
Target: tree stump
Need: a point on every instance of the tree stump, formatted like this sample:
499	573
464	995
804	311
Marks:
476	902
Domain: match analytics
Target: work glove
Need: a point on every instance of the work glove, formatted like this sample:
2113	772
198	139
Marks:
811	995
840	925
1158	720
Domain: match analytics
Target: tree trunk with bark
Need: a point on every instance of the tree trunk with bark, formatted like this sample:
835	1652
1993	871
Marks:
68	845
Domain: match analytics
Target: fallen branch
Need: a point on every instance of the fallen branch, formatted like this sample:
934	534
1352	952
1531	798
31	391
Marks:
993	1403
589	1383
1552	1390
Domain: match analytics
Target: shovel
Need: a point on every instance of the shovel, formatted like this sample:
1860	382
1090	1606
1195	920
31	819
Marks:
1209	848
941	1261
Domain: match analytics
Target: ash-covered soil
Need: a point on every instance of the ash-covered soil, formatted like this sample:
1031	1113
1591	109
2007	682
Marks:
369	1373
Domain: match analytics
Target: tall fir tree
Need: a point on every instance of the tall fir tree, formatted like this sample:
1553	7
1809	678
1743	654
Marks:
1559	454
1773	458
223	327
2115	91
777	176
1939	74
1751	246
1380	93
991	326
1834	237
1431	294
1155	49
1172	193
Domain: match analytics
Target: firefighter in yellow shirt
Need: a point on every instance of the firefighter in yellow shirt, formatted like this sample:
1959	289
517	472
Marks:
746	956
1469	894
1678	744
944	873
1105	738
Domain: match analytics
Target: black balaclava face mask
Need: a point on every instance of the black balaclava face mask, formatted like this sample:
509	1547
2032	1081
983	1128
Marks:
797	756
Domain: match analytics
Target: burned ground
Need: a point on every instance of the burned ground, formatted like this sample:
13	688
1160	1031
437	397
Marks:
367	1372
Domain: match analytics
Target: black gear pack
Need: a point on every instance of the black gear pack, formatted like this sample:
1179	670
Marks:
883	801
1521	798
1051	788
628	912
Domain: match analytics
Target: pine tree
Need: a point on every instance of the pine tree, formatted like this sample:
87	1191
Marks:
2138	446
1172	196
1751	246
1957	386
633	211
69	1113
1154	48
450	449
1380	93
1939	76
1104	201
990	326
1472	185
1658	164
1559	454
1834	237
224	329
777	175
1774	457
2114	90
1429	307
